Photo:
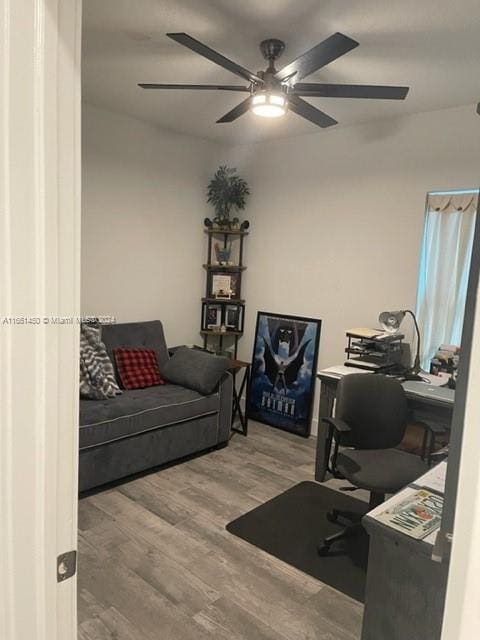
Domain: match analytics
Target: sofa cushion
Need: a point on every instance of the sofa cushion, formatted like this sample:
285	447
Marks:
137	368
140	410
148	335
195	369
97	378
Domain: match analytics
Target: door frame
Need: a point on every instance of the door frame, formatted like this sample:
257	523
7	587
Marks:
461	515
40	174
39	277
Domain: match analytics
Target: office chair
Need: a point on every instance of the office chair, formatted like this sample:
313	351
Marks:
370	421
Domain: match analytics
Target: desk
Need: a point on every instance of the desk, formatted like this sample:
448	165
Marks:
407	600
424	406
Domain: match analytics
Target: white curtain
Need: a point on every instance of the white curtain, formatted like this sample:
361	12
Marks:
444	269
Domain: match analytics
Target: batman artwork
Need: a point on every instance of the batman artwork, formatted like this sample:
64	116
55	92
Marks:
282	379
282	370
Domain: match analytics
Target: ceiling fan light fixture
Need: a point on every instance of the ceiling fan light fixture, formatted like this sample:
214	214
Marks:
271	93
269	105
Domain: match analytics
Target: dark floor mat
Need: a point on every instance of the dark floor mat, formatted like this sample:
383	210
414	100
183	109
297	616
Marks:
291	525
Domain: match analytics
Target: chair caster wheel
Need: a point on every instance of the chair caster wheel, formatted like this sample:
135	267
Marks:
332	517
323	550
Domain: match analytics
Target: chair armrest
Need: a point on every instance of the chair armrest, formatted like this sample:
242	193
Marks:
336	429
338	425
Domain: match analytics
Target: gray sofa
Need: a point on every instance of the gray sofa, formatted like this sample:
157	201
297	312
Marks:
144	428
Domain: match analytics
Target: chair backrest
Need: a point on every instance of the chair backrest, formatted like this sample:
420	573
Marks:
375	408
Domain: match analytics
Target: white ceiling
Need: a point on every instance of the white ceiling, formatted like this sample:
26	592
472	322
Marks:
433	46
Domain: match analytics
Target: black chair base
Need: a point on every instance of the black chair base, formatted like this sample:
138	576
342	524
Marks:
350	531
353	529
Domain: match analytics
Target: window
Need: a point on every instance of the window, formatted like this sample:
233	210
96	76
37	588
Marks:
444	268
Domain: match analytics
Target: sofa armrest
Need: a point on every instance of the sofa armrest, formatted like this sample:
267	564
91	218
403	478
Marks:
225	391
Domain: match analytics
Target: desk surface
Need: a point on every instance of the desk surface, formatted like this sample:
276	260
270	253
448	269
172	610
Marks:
413	389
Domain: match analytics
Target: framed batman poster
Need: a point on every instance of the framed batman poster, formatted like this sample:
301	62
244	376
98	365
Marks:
283	373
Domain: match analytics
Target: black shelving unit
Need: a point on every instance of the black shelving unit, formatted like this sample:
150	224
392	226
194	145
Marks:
223	308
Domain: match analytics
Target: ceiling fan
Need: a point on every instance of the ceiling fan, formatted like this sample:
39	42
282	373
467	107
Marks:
271	92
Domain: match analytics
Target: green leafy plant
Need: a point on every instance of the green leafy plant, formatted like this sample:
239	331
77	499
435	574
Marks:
227	191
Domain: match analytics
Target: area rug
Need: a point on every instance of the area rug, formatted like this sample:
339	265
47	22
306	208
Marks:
291	525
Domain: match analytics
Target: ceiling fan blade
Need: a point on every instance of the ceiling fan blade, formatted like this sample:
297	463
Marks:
375	92
319	56
214	56
197	87
307	111
235	113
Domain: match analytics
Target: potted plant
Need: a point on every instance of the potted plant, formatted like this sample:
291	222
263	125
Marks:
227	191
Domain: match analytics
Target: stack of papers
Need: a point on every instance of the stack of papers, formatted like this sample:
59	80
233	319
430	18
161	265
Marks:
340	370
364	332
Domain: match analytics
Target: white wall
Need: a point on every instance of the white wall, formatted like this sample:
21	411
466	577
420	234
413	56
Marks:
337	216
142	222
336	219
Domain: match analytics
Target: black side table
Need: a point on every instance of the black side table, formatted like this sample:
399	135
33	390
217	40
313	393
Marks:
235	367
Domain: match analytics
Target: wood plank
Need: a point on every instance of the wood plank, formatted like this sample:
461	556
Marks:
173	581
155	559
115	585
270	603
151	497
338	609
244	556
234	621
139	523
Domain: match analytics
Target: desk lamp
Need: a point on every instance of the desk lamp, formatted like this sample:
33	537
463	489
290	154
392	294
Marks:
391	321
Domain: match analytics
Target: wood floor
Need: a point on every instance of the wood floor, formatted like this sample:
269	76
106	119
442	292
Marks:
156	563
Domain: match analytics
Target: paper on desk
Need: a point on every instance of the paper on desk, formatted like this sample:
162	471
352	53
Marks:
340	370
363	332
432	537
438	380
435	478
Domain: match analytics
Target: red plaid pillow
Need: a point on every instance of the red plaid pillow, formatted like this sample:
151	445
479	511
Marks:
137	368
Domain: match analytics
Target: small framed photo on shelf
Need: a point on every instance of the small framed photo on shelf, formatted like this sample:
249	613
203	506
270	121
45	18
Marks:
224	286
212	317
234	317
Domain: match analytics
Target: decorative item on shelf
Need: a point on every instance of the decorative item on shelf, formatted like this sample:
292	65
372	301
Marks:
391	321
233	317
223	285
212	317
226	191
223	253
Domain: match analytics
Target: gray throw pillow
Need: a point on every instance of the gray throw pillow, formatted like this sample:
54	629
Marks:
197	370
